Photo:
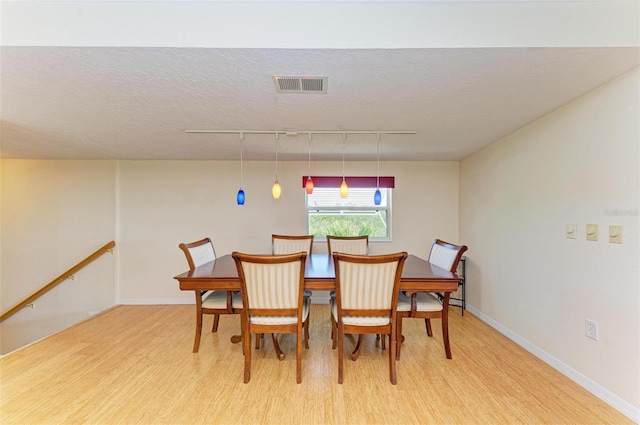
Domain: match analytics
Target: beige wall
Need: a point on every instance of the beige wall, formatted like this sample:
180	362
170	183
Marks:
54	214
577	165
163	203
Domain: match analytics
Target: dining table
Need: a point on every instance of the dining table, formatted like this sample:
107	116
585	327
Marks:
418	275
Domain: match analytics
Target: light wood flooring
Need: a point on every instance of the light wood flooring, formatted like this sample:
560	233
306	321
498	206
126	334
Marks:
133	365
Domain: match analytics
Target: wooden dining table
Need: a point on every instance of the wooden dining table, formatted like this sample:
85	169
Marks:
418	275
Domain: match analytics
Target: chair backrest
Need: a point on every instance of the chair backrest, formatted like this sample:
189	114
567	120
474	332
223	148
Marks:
199	252
446	255
271	282
356	245
282	244
368	282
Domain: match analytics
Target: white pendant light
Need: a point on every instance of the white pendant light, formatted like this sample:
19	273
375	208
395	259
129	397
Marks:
276	190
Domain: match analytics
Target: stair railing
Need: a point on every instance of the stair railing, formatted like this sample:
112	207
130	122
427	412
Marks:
28	302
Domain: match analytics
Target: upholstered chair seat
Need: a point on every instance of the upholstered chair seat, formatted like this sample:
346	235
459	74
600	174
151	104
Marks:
218	300
425	301
359	320
283	320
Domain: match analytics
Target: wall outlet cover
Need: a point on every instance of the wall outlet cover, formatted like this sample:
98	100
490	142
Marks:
592	232
615	233
571	231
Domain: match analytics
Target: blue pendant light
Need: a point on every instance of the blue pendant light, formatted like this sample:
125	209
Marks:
377	197
240	196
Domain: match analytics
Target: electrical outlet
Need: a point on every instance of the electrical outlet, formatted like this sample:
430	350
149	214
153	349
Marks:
590	329
592	232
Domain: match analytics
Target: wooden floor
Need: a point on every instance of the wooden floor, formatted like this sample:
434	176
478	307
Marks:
133	365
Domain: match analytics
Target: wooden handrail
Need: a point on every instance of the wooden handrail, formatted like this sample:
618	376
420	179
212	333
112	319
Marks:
56	281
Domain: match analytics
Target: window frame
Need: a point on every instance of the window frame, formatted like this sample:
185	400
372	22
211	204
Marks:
374	208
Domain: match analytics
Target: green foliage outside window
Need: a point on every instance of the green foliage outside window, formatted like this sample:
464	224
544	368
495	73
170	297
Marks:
322	224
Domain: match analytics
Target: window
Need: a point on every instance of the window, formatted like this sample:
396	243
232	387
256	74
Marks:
329	214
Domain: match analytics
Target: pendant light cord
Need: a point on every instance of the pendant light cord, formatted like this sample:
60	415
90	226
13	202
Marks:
309	137
344	138
276	156
241	149
378	181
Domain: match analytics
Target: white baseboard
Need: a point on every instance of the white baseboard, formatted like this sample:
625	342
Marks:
154	301
585	382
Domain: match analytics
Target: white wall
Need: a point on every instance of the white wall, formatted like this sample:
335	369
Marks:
54	214
579	165
164	203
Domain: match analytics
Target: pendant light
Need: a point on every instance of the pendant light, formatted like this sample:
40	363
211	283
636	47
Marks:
240	196
377	197
344	189
309	184
276	190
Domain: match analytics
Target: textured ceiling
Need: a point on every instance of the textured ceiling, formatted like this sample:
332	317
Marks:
135	103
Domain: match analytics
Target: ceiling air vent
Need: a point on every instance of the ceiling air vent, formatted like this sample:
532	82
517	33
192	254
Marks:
301	84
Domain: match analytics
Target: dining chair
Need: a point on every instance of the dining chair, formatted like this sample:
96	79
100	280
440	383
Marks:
273	300
356	245
209	302
366	300
286	244
427	305
290	244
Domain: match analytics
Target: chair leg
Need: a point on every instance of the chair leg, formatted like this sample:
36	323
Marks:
306	333
427	323
299	356
398	336
246	343
258	338
276	346
384	345
340	338
392	357
356	351
216	319
334	333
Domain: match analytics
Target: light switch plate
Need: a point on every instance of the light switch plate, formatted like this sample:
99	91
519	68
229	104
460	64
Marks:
615	233
592	232
571	231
